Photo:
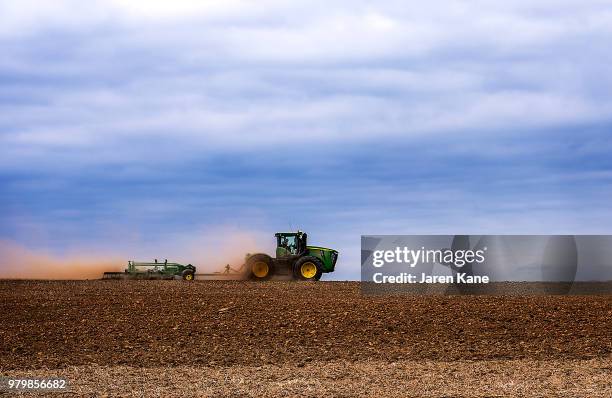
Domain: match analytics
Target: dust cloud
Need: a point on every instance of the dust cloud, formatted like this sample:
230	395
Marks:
19	262
213	250
209	251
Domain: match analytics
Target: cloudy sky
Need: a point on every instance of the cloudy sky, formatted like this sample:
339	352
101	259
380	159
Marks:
147	128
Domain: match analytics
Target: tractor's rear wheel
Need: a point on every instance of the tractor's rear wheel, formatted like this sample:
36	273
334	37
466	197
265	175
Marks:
308	268
260	267
188	275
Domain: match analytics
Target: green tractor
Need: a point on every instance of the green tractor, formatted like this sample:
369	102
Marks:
294	258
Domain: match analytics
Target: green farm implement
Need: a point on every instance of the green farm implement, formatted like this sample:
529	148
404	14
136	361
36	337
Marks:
155	270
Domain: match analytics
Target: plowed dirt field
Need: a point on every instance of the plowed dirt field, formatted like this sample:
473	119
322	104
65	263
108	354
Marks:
211	338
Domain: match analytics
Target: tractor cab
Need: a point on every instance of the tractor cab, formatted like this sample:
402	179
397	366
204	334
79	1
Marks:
290	243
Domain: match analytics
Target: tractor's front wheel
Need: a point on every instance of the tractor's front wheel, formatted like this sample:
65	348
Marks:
260	267
308	268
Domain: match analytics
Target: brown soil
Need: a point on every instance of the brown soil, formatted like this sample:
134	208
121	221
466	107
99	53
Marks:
302	333
505	378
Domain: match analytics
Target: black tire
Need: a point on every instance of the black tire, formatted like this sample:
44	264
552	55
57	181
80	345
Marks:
303	272
256	270
188	275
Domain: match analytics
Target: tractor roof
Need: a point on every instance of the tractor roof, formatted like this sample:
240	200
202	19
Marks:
288	233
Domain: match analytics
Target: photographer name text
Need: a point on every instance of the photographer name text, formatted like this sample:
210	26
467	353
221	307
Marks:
404	277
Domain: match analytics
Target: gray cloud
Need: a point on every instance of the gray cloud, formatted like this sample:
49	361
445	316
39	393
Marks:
243	75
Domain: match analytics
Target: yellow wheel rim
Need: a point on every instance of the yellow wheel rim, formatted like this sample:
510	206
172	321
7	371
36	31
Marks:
188	277
260	269
308	270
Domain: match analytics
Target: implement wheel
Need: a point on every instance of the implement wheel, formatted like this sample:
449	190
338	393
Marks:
308	268
260	267
188	275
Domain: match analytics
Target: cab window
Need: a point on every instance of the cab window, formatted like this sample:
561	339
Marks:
289	243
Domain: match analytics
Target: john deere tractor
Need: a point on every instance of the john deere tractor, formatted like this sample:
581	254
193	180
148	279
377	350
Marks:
294	258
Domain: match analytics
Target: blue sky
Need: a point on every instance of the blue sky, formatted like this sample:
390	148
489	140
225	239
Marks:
151	129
